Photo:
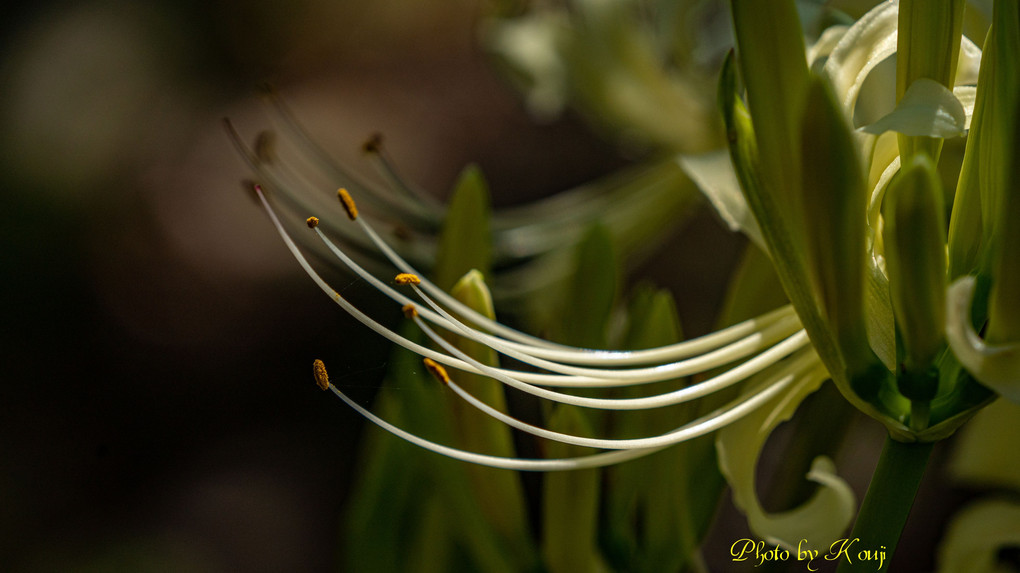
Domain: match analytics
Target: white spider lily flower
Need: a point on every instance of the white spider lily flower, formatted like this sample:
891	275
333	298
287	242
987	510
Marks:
772	349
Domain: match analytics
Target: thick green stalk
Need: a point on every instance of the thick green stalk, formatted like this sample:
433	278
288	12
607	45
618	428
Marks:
886	506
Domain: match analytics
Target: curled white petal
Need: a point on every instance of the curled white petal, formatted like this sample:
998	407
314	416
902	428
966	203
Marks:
864	46
821	519
994	365
967	96
977	534
928	108
713	173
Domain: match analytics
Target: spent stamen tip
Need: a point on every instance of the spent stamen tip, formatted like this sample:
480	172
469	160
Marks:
312	222
319	372
373	144
437	371
409	311
348	202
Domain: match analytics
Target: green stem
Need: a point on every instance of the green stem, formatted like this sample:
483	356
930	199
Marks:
886	506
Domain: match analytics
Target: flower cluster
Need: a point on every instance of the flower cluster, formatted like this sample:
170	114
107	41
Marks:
832	168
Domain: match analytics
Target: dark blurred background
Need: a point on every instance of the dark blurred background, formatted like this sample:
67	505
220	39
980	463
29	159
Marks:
156	406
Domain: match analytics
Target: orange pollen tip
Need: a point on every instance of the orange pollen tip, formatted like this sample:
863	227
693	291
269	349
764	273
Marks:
313	222
410	311
348	203
407	279
437	371
319	372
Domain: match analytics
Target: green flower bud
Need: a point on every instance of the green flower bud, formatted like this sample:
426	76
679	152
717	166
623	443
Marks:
915	238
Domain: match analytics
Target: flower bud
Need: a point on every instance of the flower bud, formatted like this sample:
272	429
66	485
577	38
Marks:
915	238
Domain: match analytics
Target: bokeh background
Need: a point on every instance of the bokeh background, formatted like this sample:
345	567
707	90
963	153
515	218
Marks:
156	407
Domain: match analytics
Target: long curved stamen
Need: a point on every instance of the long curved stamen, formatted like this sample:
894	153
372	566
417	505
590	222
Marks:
520	464
535	378
544	349
645	375
707	424
724	380
769	334
730	353
679	350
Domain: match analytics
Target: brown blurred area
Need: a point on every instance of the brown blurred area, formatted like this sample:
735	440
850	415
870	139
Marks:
157	407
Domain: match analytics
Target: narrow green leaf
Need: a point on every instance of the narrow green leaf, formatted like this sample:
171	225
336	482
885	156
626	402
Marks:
787	254
571	499
591	292
570	503
396	479
835	203
466	240
499	492
983	182
1003	309
928	46
650	524
773	65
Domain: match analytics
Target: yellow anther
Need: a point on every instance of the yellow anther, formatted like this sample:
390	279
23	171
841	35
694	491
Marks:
407	279
319	372
437	370
348	203
410	311
313	222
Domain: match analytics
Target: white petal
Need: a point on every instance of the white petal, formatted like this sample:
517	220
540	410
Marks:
928	108
714	174
869	41
967	96
976	536
970	63
996	366
822	519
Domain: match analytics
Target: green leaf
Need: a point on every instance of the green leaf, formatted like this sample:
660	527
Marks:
835	205
651	522
1003	309
466	240
983	182
499	492
928	46
788	254
588	300
773	65
570	502
571	499
396	479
